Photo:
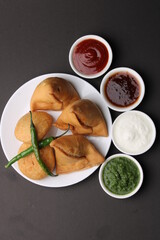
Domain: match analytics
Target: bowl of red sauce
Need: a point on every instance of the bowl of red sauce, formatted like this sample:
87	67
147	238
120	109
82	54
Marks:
90	56
123	89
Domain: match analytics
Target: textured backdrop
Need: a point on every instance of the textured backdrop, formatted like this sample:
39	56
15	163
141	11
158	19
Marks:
35	38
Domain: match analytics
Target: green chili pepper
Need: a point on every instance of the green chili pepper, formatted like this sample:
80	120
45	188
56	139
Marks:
29	150
45	142
36	149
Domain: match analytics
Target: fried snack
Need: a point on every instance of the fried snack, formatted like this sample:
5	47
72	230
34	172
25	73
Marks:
29	165
42	121
53	94
84	117
73	153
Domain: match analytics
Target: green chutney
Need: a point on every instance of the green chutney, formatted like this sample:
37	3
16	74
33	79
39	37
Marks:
121	175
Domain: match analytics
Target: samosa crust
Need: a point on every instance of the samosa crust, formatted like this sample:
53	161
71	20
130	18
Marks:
75	152
84	117
53	94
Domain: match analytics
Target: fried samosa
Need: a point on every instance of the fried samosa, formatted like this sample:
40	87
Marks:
84	117
53	94
29	165
75	152
42	121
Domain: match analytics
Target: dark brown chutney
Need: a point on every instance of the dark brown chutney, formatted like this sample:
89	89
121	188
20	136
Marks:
122	89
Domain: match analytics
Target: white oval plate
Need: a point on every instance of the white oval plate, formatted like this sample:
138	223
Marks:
19	104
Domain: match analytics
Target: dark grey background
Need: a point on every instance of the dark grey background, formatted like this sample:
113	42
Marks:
35	38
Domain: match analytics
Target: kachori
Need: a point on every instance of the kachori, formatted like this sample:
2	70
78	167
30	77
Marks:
42	121
29	165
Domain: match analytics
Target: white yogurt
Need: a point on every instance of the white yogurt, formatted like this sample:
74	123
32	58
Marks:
133	132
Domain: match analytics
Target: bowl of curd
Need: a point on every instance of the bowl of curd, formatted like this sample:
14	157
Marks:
133	132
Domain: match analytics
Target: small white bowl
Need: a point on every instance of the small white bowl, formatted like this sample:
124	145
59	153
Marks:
113	194
100	39
148	125
133	73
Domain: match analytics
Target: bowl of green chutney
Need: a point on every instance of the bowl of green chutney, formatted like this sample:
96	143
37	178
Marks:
120	176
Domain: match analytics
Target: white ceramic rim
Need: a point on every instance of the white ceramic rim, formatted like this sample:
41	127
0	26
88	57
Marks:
100	39
136	75
113	194
151	143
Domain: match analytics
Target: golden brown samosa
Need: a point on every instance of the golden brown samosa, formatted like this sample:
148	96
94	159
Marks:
42	121
29	165
53	94
84	117
75	152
